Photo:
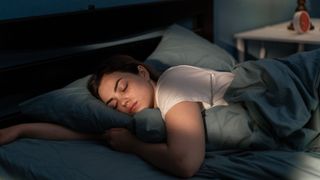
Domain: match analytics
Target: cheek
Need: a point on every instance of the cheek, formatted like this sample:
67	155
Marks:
148	94
145	89
142	90
122	109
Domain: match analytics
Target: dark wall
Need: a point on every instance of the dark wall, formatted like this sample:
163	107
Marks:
231	16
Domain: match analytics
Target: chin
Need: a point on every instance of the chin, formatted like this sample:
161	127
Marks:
140	109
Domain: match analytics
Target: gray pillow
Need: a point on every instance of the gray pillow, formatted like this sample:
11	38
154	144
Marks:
149	126
73	106
182	46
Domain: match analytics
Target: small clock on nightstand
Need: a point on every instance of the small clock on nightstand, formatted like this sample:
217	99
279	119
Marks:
301	22
301	19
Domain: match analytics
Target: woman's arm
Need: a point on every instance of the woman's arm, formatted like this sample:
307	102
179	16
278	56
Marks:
41	131
184	151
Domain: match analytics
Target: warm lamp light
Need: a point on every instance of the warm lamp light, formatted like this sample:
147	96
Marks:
302	12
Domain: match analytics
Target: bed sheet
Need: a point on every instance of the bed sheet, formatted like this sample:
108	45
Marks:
43	159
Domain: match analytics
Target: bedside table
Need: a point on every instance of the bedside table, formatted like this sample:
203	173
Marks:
277	33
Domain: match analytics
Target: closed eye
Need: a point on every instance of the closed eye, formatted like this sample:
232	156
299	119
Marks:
123	84
125	87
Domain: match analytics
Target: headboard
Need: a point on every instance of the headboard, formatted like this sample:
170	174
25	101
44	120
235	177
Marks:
39	54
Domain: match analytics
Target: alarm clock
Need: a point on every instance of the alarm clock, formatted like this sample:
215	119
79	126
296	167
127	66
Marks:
301	22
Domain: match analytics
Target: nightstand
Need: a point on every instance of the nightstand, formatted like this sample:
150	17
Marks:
277	33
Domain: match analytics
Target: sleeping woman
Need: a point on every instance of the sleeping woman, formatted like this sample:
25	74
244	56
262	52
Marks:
181	93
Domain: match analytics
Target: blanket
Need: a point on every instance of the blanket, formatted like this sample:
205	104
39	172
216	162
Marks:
281	97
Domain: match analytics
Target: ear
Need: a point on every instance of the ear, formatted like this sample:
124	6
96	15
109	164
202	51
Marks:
143	72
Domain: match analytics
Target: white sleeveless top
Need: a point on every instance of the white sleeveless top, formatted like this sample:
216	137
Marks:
189	83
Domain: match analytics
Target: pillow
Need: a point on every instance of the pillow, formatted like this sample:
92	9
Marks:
226	127
149	126
182	46
73	106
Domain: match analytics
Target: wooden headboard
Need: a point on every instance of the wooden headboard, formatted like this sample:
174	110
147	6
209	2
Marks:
39	54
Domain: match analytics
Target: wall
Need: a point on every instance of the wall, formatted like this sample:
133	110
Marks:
314	7
10	9
231	16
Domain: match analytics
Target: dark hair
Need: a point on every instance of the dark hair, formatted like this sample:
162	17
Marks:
117	63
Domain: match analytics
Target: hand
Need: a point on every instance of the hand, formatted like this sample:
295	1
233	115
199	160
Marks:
9	134
121	139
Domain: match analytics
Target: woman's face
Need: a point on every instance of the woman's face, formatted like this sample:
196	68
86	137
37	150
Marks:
127	92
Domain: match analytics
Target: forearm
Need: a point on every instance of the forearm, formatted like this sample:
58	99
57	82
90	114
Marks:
51	131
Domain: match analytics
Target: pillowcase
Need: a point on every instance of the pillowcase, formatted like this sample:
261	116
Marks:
182	46
73	106
149	126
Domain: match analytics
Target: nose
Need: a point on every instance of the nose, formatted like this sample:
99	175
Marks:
124	102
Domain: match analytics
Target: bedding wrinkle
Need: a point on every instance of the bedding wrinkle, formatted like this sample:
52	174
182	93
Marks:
279	97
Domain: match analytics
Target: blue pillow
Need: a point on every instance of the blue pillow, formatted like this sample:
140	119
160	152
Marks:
73	106
149	126
182	46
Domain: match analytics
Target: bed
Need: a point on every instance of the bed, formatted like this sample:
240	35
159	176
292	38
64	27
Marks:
51	58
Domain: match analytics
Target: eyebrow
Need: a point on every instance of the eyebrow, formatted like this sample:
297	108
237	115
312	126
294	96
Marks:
115	89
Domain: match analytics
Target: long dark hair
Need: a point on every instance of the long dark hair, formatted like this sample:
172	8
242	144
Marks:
117	63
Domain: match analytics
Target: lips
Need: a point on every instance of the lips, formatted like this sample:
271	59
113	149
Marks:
133	107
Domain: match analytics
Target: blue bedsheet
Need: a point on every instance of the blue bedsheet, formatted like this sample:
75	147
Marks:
82	160
78	160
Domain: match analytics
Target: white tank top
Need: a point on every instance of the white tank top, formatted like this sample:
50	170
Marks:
189	83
